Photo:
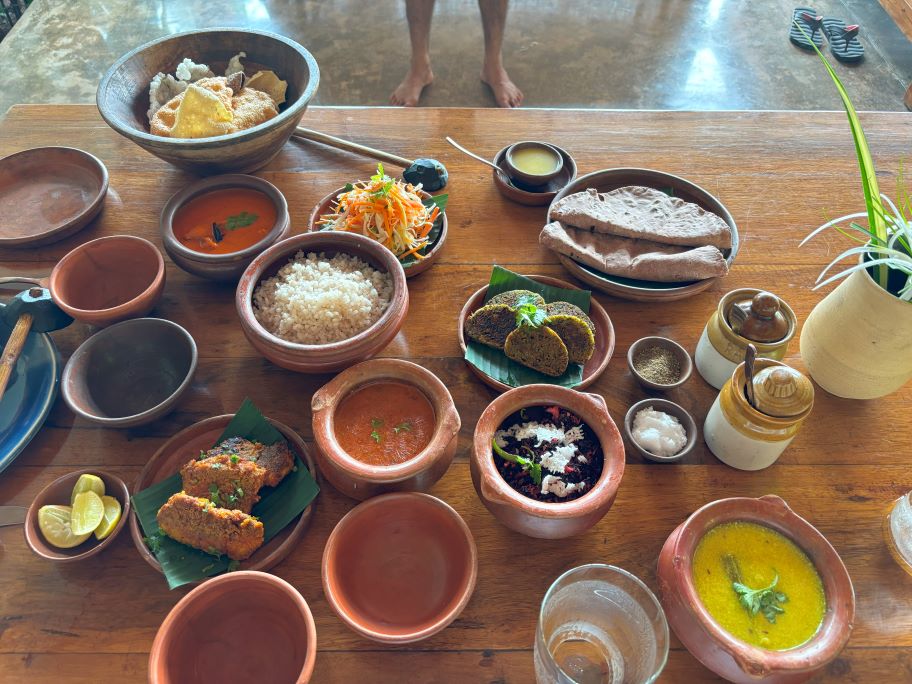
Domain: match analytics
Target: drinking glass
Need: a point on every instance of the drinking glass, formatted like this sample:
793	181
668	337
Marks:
600	625
898	531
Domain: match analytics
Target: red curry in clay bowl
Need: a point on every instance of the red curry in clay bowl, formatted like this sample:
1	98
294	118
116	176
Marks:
384	425
547	461
755	592
214	228
244	626
400	567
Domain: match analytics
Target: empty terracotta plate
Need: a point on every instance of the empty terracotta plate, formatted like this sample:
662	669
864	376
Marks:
400	567
48	193
241	627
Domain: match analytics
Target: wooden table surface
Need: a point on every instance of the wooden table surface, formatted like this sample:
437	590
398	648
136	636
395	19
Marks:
779	173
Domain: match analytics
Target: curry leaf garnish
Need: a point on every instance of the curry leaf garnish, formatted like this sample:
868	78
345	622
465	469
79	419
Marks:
240	220
527	313
766	600
535	471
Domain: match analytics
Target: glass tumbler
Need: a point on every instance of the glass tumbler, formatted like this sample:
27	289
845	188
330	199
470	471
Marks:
600	625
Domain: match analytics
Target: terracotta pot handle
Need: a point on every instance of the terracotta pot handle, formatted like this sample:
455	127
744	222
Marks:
598	400
319	401
488	491
753	667
451	422
776	501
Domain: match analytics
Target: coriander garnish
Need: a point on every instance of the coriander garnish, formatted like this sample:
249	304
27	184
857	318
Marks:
214	493
766	600
241	220
403	427
234	458
375	436
376	422
528	313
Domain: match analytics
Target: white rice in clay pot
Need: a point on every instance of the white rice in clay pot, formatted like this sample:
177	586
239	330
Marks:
318	300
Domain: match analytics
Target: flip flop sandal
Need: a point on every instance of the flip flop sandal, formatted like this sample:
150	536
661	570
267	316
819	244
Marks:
811	22
844	43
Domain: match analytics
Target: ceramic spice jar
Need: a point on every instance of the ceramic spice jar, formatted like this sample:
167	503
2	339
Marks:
750	438
744	316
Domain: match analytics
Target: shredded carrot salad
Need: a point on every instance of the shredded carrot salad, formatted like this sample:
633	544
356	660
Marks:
386	210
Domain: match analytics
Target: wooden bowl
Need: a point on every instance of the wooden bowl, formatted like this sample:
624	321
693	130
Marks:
56	192
240	627
123	96
532	198
325	206
671	408
361	480
222	267
731	658
58	492
646	290
604	334
334	356
399	567
676	349
185	446
541	519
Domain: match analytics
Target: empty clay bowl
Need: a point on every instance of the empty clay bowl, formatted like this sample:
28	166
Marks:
56	191
221	266
245	626
729	657
131	373
322	358
59	492
399	567
108	280
123	96
361	480
541	519
684	418
679	353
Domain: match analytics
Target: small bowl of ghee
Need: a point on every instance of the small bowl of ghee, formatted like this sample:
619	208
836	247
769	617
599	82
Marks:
533	164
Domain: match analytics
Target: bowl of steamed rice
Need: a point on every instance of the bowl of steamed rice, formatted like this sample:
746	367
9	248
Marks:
319	302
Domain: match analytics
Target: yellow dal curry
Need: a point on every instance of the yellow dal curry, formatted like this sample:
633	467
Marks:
761	554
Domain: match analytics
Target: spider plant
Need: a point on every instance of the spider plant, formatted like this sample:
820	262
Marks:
886	242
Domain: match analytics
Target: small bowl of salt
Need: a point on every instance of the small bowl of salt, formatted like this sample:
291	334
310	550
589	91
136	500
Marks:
660	430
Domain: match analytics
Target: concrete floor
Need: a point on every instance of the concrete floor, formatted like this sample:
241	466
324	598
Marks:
646	54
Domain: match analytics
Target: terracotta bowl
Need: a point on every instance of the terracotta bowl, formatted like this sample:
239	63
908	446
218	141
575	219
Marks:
399	567
533	181
604	334
131	373
722	653
123	96
240	627
322	358
109	279
325	206
535	518
361	480
676	349
221	266
186	445
671	408
58	492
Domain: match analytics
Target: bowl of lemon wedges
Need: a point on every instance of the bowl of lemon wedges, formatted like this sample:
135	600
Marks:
77	515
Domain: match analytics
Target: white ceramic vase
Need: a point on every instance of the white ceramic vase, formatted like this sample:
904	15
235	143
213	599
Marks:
857	342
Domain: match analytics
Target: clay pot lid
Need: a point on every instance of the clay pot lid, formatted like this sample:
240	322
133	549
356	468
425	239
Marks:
760	317
783	392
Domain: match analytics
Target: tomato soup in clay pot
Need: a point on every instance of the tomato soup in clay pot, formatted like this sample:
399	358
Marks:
384	425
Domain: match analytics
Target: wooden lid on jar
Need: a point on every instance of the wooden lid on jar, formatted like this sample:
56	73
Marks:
783	392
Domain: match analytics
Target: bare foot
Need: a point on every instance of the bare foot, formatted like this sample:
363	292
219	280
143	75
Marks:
409	91
506	94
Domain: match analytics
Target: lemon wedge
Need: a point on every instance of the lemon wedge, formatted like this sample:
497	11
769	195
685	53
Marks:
87	483
110	519
87	514
54	523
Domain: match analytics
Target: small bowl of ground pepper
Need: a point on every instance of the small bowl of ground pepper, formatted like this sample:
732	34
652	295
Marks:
659	363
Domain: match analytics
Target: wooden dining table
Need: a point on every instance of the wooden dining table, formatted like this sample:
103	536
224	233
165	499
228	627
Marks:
780	174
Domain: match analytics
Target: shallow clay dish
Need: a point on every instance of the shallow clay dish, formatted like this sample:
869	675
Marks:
604	334
322	358
185	446
646	290
399	567
537	198
49	193
123	96
361	480
325	206
239	627
537	518
671	408
131	373
59	492
221	266
676	349
731	658
109	279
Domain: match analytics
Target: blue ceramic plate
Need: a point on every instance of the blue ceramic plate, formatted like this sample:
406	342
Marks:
29	395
